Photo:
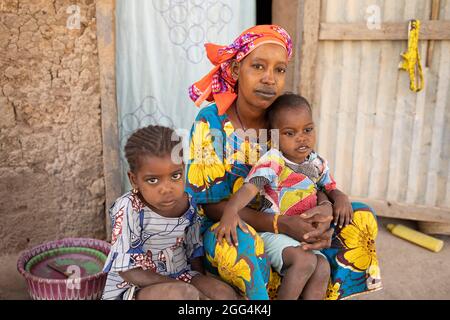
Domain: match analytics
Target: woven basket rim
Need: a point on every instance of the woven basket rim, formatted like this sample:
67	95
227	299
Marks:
26	255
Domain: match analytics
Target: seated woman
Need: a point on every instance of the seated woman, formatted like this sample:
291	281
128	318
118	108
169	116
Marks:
248	76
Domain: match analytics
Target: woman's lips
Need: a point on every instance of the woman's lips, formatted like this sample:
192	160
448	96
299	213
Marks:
266	94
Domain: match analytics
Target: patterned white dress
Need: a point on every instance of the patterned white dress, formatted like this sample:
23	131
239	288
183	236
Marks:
141	238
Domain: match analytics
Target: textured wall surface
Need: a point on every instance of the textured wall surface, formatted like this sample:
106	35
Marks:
51	171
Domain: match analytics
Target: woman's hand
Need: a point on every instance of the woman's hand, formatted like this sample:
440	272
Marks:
312	227
312	224
320	218
227	226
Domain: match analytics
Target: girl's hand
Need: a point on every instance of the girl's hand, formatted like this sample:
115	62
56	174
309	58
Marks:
342	210
227	227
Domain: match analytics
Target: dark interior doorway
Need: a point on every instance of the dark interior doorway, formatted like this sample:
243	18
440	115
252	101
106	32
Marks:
263	11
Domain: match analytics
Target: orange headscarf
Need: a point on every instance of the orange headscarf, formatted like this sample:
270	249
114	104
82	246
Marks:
218	85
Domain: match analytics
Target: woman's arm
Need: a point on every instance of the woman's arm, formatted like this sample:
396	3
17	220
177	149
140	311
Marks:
293	226
143	278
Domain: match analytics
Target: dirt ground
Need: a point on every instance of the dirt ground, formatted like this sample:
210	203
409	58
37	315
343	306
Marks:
408	272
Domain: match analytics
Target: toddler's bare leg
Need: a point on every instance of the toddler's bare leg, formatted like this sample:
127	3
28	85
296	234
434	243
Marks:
299	265
316	288
213	288
176	290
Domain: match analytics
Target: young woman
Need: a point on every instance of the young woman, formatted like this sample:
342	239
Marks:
248	76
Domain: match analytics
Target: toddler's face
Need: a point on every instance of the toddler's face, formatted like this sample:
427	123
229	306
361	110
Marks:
296	132
161	183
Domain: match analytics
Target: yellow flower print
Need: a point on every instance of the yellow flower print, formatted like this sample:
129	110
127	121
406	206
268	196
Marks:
232	271
252	231
214	226
228	128
374	277
201	211
238	183
259	246
205	165
248	153
274	284
333	291
227	164
259	243
359	238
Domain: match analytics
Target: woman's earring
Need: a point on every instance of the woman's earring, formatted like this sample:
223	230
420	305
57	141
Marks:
134	190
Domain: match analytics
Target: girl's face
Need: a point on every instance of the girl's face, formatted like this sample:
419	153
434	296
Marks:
296	132
261	75
161	184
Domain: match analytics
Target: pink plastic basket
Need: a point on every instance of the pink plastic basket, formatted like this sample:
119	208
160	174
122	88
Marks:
45	283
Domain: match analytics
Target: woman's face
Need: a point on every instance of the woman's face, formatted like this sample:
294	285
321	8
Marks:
261	75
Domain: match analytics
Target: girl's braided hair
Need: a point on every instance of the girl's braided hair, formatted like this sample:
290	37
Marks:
153	140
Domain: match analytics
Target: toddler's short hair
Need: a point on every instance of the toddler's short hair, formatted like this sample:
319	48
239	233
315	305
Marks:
286	100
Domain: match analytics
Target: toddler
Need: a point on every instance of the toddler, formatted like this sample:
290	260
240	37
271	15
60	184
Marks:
288	179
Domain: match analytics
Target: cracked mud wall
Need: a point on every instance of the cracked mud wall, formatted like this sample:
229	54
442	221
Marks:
51	170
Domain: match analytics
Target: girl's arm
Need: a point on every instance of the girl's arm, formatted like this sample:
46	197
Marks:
143	278
230	219
294	226
240	199
262	222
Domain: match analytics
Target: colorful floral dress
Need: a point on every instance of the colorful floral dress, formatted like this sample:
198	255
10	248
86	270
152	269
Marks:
220	160
143	238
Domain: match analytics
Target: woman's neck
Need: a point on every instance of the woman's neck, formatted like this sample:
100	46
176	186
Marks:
248	116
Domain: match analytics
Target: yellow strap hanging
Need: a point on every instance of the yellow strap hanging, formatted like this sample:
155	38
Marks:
411	57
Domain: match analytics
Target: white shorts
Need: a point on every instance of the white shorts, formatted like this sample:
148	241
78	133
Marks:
274	244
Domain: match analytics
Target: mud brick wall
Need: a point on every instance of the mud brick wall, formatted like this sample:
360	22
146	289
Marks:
51	171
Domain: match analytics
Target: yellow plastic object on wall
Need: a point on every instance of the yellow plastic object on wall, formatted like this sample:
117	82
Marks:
411	57
416	237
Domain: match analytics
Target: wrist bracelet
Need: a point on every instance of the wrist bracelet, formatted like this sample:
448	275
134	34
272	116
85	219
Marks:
275	223
325	202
